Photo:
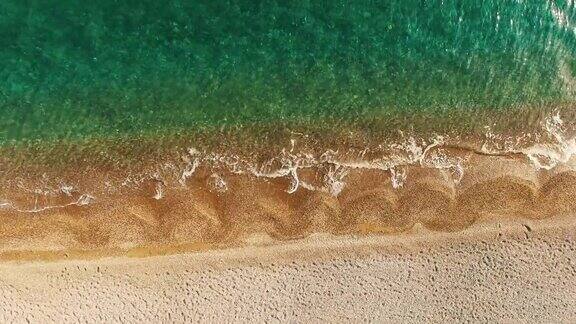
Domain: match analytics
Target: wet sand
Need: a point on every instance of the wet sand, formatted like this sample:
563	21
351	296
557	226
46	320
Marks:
209	212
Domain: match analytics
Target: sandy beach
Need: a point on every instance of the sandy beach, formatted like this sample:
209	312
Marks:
514	271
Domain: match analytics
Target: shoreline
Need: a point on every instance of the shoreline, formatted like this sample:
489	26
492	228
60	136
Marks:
468	128
208	201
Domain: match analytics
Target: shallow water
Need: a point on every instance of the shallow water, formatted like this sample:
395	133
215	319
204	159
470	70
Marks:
110	68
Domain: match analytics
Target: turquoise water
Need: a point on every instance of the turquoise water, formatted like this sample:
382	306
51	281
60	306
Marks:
76	69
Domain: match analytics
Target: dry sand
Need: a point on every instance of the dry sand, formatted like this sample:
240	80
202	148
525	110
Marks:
512	271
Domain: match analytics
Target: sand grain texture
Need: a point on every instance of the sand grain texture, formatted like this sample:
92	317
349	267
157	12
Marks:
501	272
243	209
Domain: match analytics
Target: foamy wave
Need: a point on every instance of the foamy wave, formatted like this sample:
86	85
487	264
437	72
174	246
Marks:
433	153
547	150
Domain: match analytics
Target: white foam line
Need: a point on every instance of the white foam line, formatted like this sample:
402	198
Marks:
82	201
410	152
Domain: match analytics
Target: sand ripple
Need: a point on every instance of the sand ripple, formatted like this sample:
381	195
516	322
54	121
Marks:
255	210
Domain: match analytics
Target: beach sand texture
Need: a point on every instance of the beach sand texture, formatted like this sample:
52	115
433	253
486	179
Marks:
202	215
501	272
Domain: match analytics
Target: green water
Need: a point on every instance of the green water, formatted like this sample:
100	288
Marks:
71	69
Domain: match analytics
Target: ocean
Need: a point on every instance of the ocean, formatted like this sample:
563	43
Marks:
73	70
